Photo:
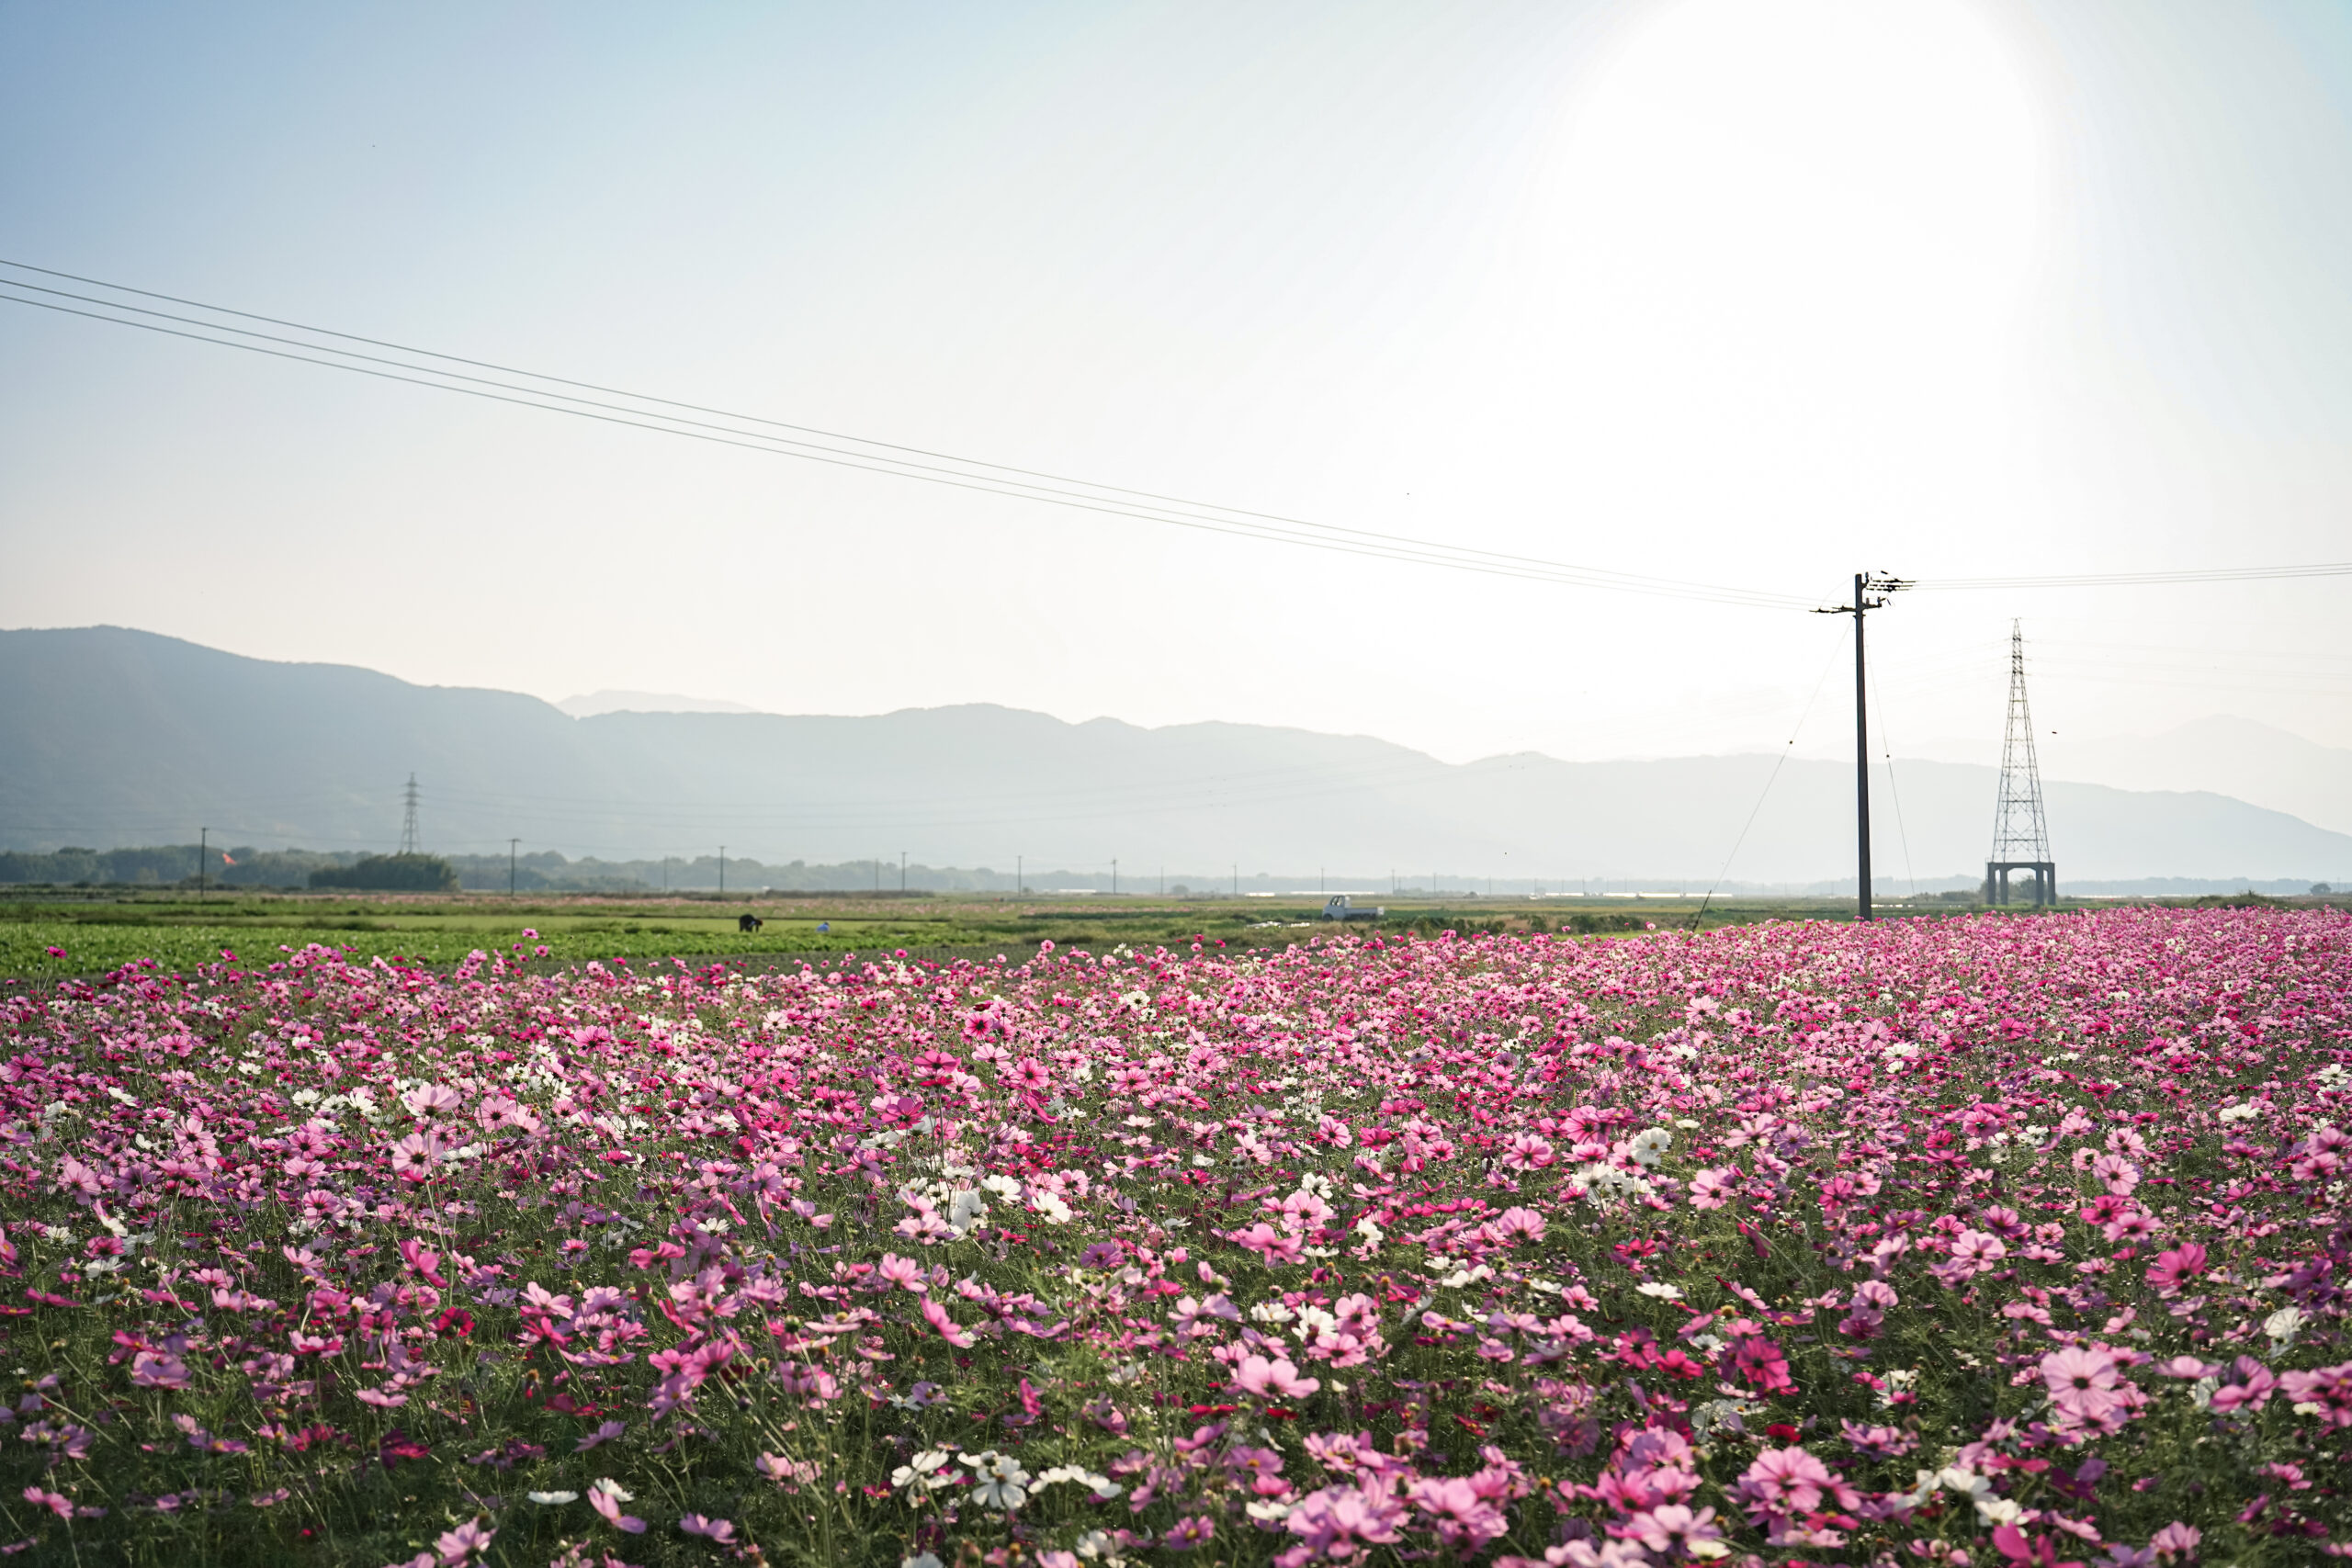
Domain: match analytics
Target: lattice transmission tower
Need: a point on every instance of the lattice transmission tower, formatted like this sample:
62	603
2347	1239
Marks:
2020	831
409	845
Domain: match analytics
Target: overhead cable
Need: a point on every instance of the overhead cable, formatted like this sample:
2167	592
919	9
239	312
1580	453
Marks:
642	412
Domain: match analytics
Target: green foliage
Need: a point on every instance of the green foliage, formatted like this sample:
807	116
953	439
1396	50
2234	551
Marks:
390	874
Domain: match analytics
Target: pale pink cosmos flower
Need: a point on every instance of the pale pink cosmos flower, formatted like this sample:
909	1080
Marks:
2081	1382
605	1495
414	1156
720	1530
1272	1246
1979	1249
1272	1380
2187	1367
606	1432
465	1541
1785	1480
1465	1519
1673	1527
1711	1188
426	1098
1337	1520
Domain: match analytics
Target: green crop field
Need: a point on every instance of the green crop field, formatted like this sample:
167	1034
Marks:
47	933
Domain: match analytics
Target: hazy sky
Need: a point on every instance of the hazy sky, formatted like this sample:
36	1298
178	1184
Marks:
1746	293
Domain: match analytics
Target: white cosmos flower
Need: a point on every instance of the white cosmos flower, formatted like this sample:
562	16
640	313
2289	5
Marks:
925	1471
999	1481
1649	1147
967	1211
549	1499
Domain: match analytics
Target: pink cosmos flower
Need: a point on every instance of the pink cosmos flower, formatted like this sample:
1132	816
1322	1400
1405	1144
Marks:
936	1316
1759	1363
2177	1540
2246	1384
2081	1382
606	1432
426	1098
2330	1388
1978	1248
1272	1246
720	1530
2187	1367
463	1543
607	1497
2119	1175
1464	1518
1672	1527
1783	1480
1188	1533
1528	1152
414	1156
1338	1520
1711	1188
2176	1266
1272	1380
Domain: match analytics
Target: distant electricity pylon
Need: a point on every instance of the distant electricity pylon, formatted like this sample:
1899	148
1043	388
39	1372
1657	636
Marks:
409	844
2020	832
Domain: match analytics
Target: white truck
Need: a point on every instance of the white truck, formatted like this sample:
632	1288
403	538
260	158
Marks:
1336	908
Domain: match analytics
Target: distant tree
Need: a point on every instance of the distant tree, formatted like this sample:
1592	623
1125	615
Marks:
2322	888
390	874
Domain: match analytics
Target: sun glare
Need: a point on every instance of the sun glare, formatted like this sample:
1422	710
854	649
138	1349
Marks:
1794	233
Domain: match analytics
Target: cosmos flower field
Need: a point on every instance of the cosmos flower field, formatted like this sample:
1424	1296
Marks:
1979	1241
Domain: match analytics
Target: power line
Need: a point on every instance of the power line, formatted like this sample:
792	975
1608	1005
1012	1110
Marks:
1779	761
897	460
973	474
2139	579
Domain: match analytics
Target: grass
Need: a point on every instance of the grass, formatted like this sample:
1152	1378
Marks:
95	930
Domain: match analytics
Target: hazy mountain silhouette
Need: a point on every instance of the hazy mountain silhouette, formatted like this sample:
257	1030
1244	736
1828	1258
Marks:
588	704
2253	761
116	737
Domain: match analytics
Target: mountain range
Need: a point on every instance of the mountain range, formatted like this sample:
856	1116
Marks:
110	736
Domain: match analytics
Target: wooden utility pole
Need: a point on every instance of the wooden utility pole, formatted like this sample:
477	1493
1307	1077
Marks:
1865	585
